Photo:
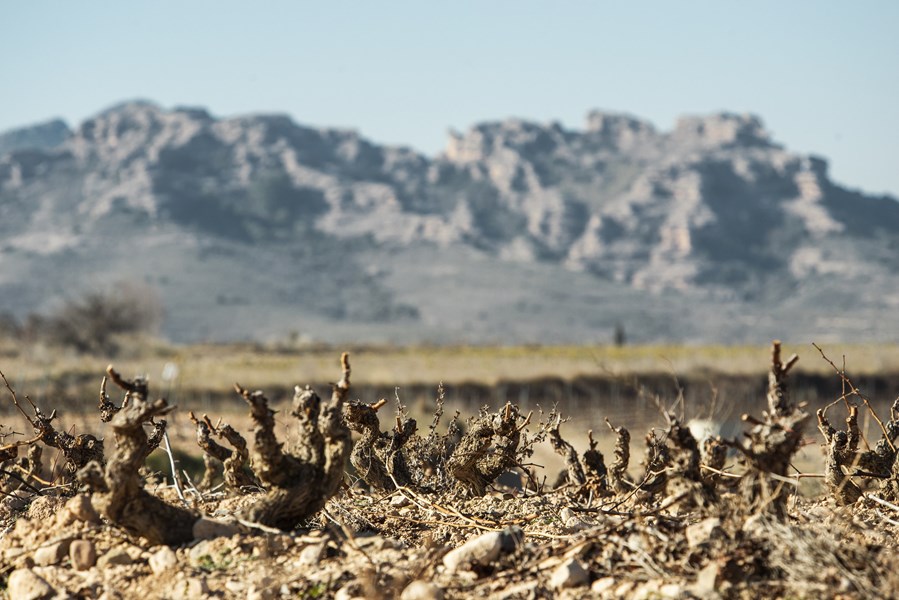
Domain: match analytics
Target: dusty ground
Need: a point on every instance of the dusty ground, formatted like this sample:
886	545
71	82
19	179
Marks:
378	546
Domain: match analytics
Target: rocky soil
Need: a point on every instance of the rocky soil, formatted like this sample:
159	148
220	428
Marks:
502	546
454	511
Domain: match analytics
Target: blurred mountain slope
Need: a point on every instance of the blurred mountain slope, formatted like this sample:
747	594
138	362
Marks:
255	226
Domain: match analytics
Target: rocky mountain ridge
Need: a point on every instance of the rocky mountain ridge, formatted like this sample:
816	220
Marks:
43	136
714	210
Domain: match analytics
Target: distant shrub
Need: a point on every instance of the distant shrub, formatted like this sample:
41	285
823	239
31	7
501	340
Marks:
90	323
9	326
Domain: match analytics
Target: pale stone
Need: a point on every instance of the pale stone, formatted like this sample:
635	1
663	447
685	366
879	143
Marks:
260	593
195	588
422	590
114	557
344	593
163	560
83	554
570	573
80	508
703	531
199	550
648	590
671	590
755	525
707	580
310	555
51	555
572	521
603	584
481	550
25	584
399	501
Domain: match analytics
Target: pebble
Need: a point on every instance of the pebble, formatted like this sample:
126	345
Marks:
707	580
14	503
755	525
25	584
51	555
570	573
79	508
345	593
484	549
646	591
162	560
703	531
199	550
378	543
399	501
82	554
624	589
195	587
422	590
603	584
310	555
206	529
115	557
480	550
260	593
525	589
671	590
572	521
261	550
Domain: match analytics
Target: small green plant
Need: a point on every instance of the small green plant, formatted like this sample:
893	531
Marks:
208	563
316	590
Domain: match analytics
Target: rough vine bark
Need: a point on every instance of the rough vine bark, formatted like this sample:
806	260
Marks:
714	455
685	485
27	466
844	460
618	477
119	492
77	450
379	457
588	471
299	483
233	461
655	464
772	442
486	451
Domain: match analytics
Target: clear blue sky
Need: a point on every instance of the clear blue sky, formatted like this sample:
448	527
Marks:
823	75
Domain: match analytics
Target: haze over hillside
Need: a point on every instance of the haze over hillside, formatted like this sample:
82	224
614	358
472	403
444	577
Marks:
255	226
